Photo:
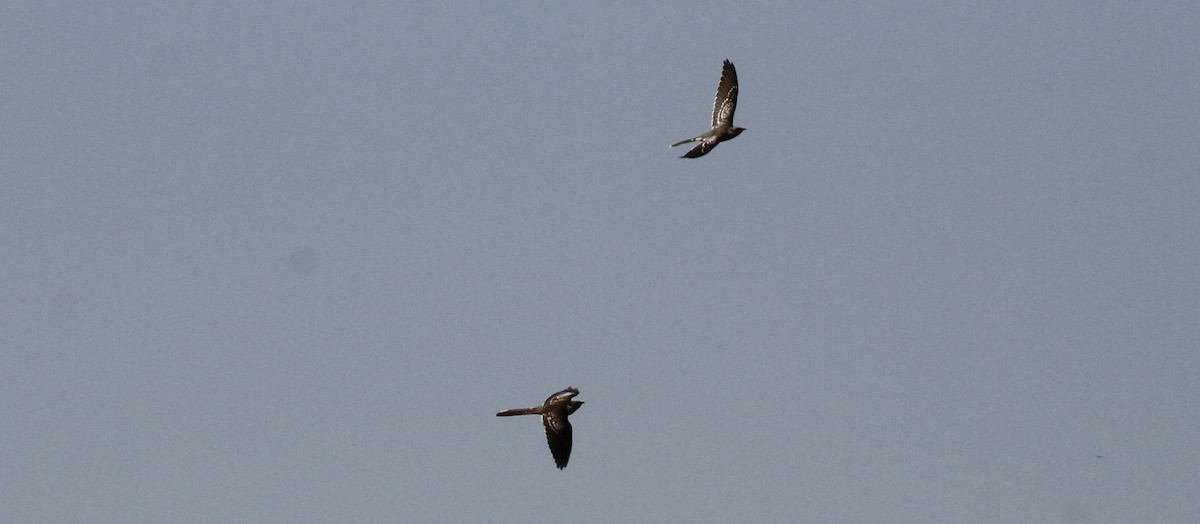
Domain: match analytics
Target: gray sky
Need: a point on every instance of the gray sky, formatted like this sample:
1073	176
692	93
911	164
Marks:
281	263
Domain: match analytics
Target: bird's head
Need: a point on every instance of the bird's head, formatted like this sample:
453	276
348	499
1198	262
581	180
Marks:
735	131
574	405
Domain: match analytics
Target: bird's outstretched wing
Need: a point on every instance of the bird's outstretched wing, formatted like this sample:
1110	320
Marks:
561	397
558	436
725	102
701	149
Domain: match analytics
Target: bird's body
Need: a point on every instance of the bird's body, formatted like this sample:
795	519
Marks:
554	412
722	117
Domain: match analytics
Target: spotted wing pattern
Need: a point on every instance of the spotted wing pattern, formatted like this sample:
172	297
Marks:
727	92
558	428
558	436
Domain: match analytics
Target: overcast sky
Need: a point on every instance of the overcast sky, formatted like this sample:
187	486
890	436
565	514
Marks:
269	262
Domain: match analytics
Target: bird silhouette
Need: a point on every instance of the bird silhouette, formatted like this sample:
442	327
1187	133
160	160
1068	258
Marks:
722	116
554	412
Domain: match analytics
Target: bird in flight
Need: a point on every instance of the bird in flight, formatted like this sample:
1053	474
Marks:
554	413
722	116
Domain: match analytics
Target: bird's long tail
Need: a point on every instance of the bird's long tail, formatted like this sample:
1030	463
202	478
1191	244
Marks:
682	142
520	411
